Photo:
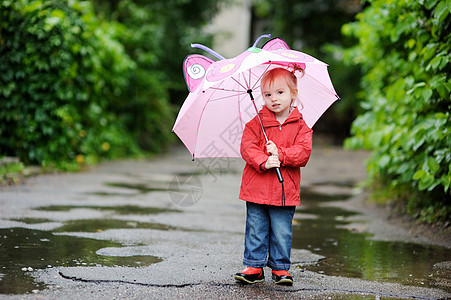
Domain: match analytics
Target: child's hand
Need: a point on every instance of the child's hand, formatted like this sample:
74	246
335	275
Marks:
271	148
272	162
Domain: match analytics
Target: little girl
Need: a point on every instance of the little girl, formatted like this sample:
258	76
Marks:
270	208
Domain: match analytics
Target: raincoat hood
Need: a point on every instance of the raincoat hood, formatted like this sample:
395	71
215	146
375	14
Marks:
269	118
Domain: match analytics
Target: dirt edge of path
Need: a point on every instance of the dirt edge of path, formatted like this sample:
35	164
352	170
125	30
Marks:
438	234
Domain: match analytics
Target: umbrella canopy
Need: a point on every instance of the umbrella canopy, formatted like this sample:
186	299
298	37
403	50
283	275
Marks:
212	118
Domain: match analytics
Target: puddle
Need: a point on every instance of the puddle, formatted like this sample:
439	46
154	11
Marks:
33	220
309	196
212	167
141	188
344	183
96	225
352	254
24	248
121	210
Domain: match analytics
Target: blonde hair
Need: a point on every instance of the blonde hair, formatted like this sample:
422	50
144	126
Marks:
290	77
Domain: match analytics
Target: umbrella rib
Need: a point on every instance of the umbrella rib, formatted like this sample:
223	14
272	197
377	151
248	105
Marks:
239	83
263	73
248	86
229	96
226	90
323	85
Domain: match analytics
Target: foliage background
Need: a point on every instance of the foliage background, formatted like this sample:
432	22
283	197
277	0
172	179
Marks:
157	37
80	82
58	69
404	51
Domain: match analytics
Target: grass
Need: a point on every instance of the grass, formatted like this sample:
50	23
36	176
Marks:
11	171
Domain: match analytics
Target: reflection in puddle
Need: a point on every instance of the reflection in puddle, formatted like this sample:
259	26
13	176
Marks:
121	210
354	255
96	225
309	196
142	188
33	220
212	167
24	248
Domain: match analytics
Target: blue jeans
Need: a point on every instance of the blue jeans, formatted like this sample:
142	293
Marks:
269	232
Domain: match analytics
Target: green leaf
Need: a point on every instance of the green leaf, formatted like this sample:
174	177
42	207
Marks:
384	161
34	6
50	22
430	3
426	181
446	182
419	174
427	94
441	12
411	43
58	13
419	140
433	165
435	63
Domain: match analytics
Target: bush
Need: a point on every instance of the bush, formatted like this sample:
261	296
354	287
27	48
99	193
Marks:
404	52
59	69
157	36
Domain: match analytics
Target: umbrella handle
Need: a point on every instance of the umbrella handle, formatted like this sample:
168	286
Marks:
279	175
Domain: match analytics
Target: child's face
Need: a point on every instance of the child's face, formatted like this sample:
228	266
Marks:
278	97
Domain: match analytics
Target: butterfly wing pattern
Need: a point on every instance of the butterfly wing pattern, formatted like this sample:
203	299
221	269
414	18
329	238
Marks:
194	68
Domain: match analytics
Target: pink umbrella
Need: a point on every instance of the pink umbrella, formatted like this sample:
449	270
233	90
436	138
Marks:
225	95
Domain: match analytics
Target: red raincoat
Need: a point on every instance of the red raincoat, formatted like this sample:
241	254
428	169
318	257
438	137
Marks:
293	139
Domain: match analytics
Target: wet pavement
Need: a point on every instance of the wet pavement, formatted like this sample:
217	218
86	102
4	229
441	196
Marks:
170	227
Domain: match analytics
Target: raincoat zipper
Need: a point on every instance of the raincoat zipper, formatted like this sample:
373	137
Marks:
283	188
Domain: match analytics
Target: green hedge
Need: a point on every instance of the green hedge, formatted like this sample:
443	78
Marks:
404	51
59	69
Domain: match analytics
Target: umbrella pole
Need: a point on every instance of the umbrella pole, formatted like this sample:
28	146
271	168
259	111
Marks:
279	175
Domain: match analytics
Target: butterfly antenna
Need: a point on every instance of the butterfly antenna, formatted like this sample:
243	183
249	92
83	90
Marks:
205	48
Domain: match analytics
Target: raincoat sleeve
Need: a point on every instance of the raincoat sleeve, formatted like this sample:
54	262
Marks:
298	154
251	147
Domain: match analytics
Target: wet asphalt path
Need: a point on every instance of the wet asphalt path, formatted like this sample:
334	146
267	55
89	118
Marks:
177	232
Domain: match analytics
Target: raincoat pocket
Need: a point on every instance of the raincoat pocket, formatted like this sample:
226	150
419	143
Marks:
248	175
295	181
